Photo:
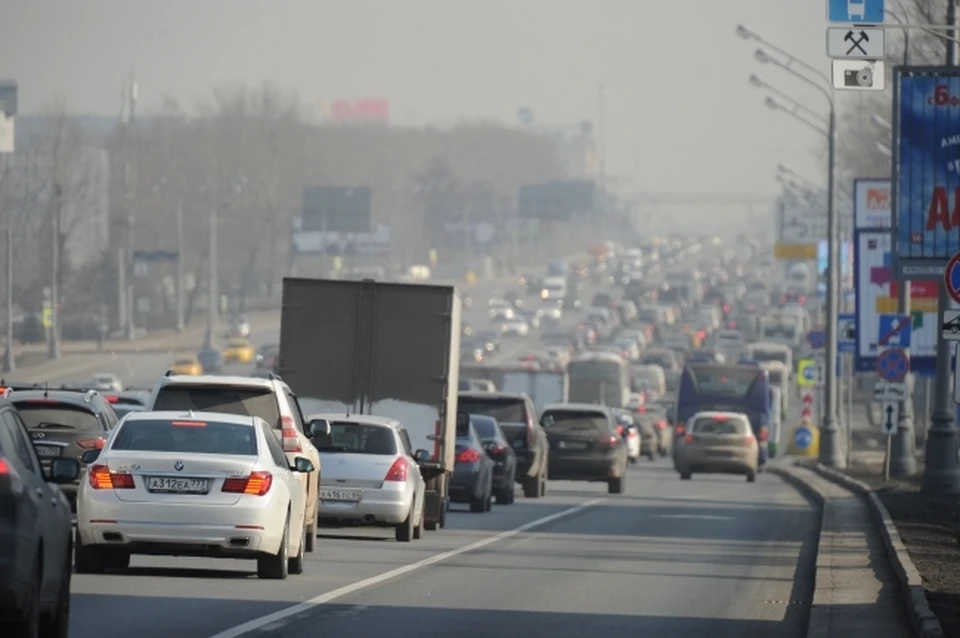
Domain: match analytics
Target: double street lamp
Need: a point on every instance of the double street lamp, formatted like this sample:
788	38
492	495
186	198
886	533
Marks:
830	453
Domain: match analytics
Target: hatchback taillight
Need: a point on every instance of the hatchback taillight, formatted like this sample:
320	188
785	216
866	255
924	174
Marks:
101	478
257	484
398	471
689	439
764	434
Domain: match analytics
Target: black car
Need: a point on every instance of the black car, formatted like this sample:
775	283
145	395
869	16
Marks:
35	523
585	445
130	400
65	424
504	458
517	416
472	479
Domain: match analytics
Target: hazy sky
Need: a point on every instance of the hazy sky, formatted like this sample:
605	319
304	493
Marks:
681	115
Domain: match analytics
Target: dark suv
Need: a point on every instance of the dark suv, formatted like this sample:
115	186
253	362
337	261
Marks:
65	423
517	416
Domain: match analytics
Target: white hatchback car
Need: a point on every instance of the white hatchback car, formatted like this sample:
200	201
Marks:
191	484
371	476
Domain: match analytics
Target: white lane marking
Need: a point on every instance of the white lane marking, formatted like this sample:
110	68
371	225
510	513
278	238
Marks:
702	517
346	590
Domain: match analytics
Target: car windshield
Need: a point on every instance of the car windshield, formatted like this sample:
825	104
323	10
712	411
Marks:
187	436
229	400
48	414
357	438
554	420
719	425
485	428
503	409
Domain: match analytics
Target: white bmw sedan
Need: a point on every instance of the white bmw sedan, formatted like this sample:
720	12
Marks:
191	484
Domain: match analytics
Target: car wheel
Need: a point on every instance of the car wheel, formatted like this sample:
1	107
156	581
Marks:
295	563
543	484
404	531
751	477
531	486
276	566
488	501
88	559
616	485
686	476
310	541
29	625
478	504
651	456
57	625
116	560
418	529
633	460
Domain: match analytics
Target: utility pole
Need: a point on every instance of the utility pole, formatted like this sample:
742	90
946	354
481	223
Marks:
9	360
213	301
941	472
180	295
53	343
602	144
130	182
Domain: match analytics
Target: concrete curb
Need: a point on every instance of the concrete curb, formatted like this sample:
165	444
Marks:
924	622
818	624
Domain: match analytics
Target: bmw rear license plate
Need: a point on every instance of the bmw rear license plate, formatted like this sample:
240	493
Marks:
47	451
572	445
176	485
352	496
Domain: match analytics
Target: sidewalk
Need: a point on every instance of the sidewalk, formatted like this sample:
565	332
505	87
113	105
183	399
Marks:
856	593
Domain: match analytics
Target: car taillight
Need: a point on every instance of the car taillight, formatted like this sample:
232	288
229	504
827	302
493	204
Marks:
611	441
661	425
398	471
112	399
689	438
620	430
291	439
764	434
468	455
531	432
101	478
801	300
496	450
680	429
257	484
91	444
4	468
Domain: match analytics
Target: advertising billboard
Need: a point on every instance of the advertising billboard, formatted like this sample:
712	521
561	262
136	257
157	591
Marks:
877	293
926	170
872	203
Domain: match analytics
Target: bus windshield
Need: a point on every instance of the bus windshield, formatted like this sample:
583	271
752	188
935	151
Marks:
727	381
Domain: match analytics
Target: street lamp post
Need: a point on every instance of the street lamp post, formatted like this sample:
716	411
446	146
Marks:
830	453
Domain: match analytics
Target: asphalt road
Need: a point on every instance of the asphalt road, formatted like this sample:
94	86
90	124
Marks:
711	557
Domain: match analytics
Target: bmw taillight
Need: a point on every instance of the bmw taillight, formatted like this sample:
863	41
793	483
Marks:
101	478
257	484
468	455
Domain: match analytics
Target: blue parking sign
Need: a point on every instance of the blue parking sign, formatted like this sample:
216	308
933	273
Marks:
802	437
856	11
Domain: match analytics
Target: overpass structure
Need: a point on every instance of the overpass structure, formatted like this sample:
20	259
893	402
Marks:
704	212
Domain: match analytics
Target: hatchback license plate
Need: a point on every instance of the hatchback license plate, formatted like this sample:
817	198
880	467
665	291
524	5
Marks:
47	451
352	496
572	445
170	485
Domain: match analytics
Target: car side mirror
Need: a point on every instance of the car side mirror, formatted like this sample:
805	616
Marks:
64	470
319	427
87	457
422	456
302	464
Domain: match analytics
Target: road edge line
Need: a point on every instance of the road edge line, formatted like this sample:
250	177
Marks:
346	590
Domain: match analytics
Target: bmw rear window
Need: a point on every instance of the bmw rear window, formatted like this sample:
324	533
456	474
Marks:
187	436
503	409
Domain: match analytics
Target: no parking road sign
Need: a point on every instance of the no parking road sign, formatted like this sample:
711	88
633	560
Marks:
893	365
951	277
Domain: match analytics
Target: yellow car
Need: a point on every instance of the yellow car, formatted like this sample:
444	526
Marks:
239	351
187	366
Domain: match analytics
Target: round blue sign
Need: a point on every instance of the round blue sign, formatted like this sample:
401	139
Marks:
951	277
802	438
810	373
893	365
